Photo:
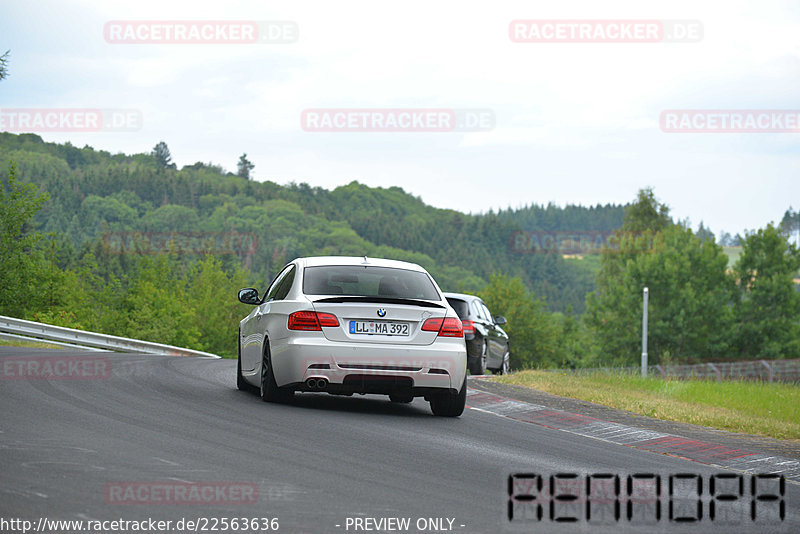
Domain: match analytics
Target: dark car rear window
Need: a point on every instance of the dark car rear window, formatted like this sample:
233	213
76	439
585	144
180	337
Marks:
368	281
460	306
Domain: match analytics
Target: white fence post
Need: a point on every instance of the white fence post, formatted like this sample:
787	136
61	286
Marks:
716	370
644	333
769	369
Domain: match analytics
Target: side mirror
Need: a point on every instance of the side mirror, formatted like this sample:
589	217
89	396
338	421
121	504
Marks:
249	295
499	320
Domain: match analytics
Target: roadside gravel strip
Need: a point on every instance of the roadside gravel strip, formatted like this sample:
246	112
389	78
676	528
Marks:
739	452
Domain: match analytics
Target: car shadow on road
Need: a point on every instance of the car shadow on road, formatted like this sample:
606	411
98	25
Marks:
367	404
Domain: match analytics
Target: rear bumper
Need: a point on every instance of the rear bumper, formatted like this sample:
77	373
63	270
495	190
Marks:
370	367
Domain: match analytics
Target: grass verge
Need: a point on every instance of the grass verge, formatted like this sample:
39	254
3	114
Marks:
737	406
20	343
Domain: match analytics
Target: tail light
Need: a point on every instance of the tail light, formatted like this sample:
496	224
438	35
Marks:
468	326
445	326
311	321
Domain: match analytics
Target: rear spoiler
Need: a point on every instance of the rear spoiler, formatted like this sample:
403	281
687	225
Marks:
380	300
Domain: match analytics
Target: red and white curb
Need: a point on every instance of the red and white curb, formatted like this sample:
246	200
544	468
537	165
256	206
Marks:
699	451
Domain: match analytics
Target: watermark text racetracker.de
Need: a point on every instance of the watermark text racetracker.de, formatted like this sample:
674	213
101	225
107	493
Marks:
730	121
70	120
559	242
605	31
397	120
178	493
200	32
55	368
580	242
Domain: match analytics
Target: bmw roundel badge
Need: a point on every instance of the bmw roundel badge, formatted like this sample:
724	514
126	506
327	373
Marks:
381	312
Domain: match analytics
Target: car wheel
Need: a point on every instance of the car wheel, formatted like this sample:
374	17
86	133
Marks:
270	392
503	370
448	404
241	383
401	399
478	367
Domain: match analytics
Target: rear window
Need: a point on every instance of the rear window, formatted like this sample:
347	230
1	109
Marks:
367	281
460	306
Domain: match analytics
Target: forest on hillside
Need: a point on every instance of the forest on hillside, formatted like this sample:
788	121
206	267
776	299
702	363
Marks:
97	198
129	245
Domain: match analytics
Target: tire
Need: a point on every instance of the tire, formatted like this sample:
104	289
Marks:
241	383
505	366
450	404
269	390
401	399
478	366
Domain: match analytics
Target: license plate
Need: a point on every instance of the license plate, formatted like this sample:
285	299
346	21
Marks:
383	328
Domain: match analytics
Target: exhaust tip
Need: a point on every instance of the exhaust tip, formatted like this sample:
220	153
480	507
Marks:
317	383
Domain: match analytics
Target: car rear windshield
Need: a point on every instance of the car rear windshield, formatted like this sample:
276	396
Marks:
460	306
368	281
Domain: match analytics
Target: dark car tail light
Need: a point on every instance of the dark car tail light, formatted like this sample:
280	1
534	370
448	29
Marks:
445	326
451	328
468	326
311	321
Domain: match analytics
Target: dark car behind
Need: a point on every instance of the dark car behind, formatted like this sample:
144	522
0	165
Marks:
487	343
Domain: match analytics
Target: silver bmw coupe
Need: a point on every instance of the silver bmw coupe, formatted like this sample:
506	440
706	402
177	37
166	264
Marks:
345	325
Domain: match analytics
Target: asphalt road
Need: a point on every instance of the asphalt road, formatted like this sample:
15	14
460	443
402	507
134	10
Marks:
105	444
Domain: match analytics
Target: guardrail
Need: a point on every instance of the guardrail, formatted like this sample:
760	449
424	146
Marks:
47	332
765	370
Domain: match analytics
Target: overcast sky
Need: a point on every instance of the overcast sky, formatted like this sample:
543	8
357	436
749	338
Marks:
573	122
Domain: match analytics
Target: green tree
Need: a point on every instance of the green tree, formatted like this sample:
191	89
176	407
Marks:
244	167
791	222
162	155
63	296
646	214
689	312
531	332
767	306
4	65
87	297
212	294
575	342
171	218
110	210
156	307
725	239
22	262
705	233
